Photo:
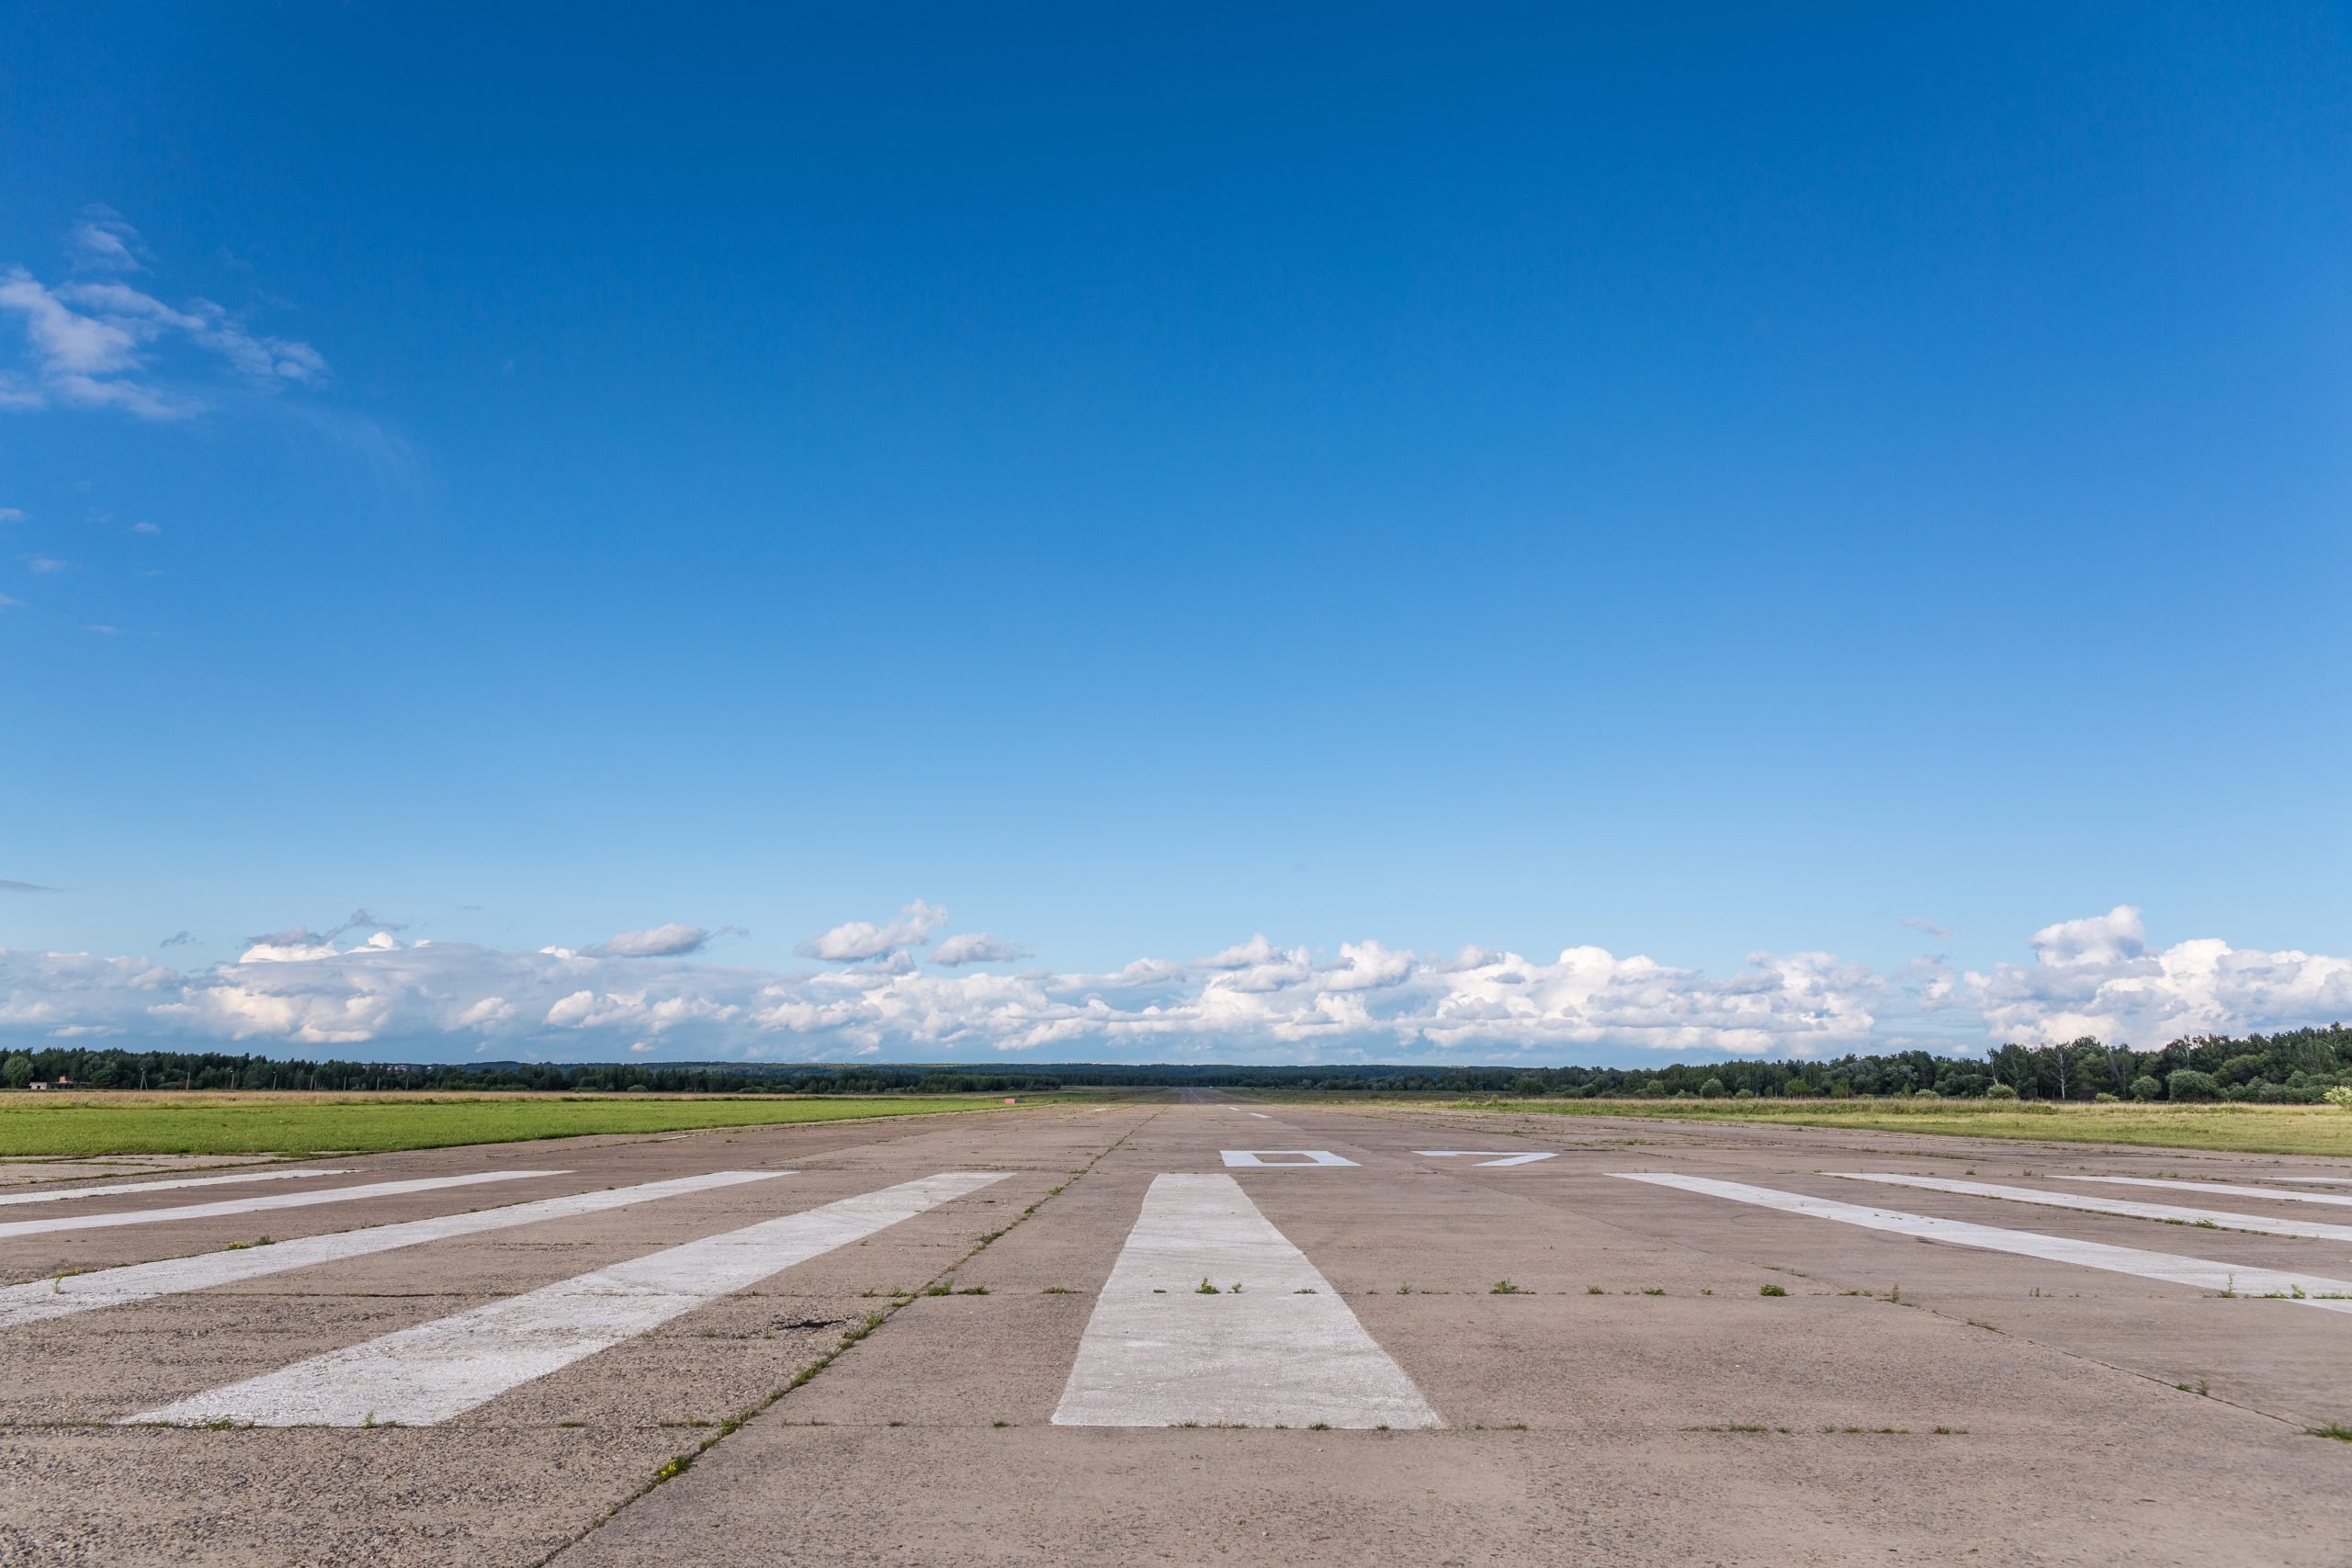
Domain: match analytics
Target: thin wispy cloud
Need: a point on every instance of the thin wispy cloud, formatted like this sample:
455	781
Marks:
671	940
98	342
1926	927
8	886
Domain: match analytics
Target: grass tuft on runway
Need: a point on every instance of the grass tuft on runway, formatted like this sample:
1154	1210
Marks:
218	1122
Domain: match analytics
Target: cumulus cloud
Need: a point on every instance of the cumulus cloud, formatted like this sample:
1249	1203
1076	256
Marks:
2098	975
655	942
978	947
298	989
854	940
99	342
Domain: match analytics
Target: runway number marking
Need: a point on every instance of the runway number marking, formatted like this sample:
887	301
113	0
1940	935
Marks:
1271	1344
68	1293
46	1196
1255	1159
263	1205
2220	1217
1508	1158
2201	1273
417	1377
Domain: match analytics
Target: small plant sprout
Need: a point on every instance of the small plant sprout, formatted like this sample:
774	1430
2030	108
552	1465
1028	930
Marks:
1771	1291
1503	1287
1205	1288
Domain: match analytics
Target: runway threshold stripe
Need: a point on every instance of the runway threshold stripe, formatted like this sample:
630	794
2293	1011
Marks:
1274	1346
2226	1189
2221	1219
2335	1295
418	1376
46	1196
262	1205
69	1293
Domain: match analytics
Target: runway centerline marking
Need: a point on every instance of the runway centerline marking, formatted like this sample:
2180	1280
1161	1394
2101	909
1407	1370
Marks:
2199	1272
263	1206
1272	1344
417	1377
2226	1188
1508	1158
46	1196
2220	1218
69	1293
1253	1159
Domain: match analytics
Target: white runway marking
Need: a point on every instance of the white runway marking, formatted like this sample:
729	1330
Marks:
44	1299
426	1374
2226	1189
1262	1116
1508	1158
1274	1344
2201	1273
46	1196
263	1205
2222	1218
1253	1159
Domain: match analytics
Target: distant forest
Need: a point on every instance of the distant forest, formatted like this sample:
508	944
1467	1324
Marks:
2297	1067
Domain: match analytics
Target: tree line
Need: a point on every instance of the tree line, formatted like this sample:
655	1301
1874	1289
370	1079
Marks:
2295	1067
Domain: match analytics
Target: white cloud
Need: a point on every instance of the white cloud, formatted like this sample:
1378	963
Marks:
854	940
11	514
101	241
95	344
2097	977
978	947
1925	928
657	941
298	990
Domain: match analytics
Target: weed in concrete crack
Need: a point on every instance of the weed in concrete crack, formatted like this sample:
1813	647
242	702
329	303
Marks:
1303	1290
1205	1288
944	1289
1771	1291
1318	1425
1594	1291
2335	1429
1659	1291
1951	1431
1057	1291
1000	1423
1503	1287
973	1290
1512	1427
571	1423
1404	1290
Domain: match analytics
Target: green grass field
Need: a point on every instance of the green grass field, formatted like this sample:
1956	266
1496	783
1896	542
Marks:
224	1122
2240	1129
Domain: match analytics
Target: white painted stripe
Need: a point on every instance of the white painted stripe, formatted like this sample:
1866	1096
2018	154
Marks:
418	1376
1281	1349
1254	1159
48	1195
2201	1273
2223	1218
1506	1155
2226	1189
69	1293
263	1205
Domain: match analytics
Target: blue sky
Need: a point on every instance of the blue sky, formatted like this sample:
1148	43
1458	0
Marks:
1687	484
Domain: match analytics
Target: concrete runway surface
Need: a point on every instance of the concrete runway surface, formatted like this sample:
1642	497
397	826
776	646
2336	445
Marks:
1200	1331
